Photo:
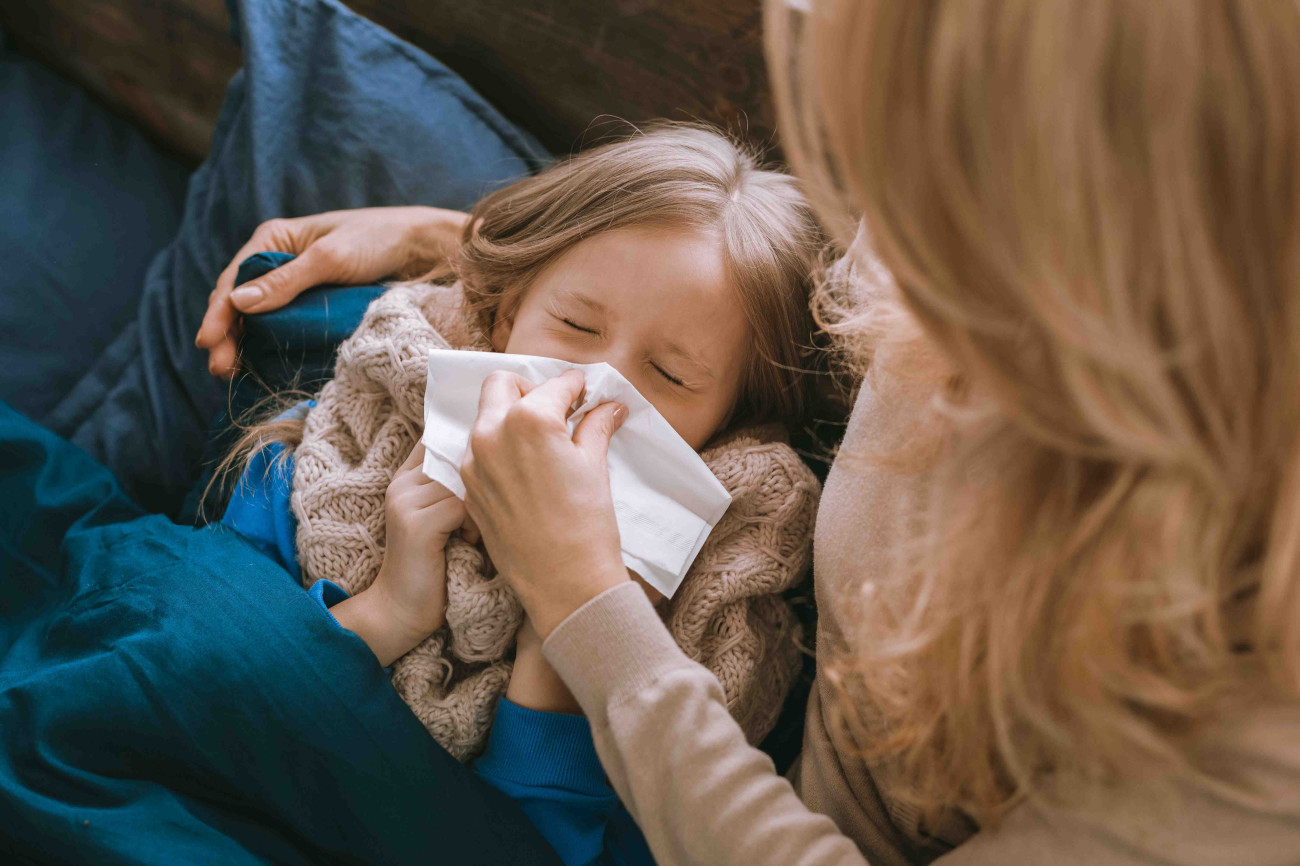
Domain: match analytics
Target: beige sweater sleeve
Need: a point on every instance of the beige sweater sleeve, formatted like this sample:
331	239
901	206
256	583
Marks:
702	795
682	766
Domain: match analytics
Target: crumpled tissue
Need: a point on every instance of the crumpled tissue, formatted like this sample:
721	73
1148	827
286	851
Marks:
666	500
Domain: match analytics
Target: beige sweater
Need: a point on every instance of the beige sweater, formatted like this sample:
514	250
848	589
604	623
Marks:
729	613
702	795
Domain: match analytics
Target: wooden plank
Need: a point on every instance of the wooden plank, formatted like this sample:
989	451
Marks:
554	66
161	63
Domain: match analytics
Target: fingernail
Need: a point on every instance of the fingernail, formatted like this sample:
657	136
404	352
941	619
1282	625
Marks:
620	415
247	295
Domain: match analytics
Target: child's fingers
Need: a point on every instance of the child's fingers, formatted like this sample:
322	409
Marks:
500	391
409	472
429	492
429	511
446	515
414	459
411	495
409	479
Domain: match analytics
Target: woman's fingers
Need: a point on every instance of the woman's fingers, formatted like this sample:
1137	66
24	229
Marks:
220	315
557	396
346	247
598	427
312	267
501	391
223	357
218	330
510	401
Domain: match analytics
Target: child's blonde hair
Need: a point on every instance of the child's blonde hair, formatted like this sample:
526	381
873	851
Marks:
677	176
1091	212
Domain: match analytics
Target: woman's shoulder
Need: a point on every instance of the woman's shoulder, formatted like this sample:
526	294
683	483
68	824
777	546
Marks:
879	479
1243	806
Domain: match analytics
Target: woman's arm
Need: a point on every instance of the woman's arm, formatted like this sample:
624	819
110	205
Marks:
697	789
346	247
678	760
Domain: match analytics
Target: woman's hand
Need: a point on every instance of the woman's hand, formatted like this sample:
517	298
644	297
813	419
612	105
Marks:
541	499
344	246
408	600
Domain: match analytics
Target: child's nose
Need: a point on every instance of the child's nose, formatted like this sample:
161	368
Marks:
624	363
623	360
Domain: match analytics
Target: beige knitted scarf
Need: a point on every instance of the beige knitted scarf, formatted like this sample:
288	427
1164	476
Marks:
728	615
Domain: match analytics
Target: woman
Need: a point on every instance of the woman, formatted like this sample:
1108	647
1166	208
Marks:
1056	559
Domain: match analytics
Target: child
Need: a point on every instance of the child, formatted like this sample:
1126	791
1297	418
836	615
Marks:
675	259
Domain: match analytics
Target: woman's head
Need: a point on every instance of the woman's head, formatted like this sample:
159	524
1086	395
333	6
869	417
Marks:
673	256
1092	211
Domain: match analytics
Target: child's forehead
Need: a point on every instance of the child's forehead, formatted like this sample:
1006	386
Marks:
680	276
625	264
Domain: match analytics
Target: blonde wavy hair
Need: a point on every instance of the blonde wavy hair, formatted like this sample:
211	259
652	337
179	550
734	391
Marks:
1089	213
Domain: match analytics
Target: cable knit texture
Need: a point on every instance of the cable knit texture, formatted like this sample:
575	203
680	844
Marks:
728	614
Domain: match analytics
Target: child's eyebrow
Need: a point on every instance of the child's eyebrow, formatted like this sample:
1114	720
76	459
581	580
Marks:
694	360
585	300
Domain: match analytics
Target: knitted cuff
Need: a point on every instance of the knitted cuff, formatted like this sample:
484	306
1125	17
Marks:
611	648
543	750
327	594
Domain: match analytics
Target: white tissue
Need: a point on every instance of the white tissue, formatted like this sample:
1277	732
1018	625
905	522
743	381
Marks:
666	500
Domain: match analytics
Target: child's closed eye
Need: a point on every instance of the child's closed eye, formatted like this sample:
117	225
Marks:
679	382
577	327
573	323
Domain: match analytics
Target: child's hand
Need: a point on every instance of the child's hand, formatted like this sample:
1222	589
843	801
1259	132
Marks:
408	600
420	515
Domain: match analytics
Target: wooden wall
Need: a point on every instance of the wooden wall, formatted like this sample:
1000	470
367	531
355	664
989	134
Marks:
554	66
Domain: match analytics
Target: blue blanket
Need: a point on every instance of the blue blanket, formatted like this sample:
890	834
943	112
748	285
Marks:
329	111
170	695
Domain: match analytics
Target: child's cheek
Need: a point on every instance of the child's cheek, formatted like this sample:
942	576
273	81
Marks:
696	417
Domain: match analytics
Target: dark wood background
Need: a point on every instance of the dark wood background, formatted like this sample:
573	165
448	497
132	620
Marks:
553	66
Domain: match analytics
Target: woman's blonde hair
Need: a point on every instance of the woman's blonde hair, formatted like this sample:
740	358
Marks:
1091	215
669	175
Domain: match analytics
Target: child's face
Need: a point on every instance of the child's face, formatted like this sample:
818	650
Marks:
655	304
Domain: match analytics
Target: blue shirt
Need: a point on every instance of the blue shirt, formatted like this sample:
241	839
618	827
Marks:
546	762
